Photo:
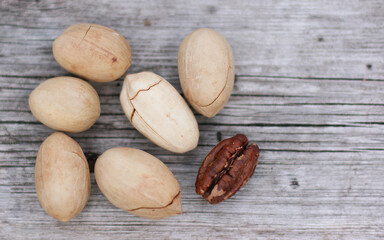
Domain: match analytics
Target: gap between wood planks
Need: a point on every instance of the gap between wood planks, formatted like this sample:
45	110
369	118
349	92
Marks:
238	76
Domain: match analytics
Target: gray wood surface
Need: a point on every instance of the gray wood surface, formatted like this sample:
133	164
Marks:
309	90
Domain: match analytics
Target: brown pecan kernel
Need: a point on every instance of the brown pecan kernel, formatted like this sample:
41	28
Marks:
228	166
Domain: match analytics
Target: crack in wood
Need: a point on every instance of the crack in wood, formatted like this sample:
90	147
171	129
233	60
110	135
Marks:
240	76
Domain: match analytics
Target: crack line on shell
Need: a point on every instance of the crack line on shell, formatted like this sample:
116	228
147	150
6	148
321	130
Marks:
136	112
143	90
86	33
105	51
173	199
222	90
133	113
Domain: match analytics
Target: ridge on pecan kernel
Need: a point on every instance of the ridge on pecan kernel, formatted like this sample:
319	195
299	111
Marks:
228	166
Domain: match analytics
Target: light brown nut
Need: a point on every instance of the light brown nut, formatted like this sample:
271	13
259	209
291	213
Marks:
206	70
157	110
92	51
62	177
66	104
139	183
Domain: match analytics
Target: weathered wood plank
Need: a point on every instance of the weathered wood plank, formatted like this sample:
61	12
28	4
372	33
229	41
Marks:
309	90
308	39
316	163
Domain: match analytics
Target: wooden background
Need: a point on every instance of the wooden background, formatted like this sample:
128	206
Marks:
309	90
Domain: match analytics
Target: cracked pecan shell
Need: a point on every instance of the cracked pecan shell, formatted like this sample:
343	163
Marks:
138	182
157	110
93	52
206	70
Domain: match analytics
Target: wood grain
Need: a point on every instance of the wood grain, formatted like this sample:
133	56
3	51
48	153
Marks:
309	91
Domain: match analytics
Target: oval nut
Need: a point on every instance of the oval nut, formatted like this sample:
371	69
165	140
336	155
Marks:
65	103
157	110
62	177
138	182
92	51
206	70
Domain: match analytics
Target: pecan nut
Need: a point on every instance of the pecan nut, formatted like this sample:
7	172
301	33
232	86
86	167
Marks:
228	166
